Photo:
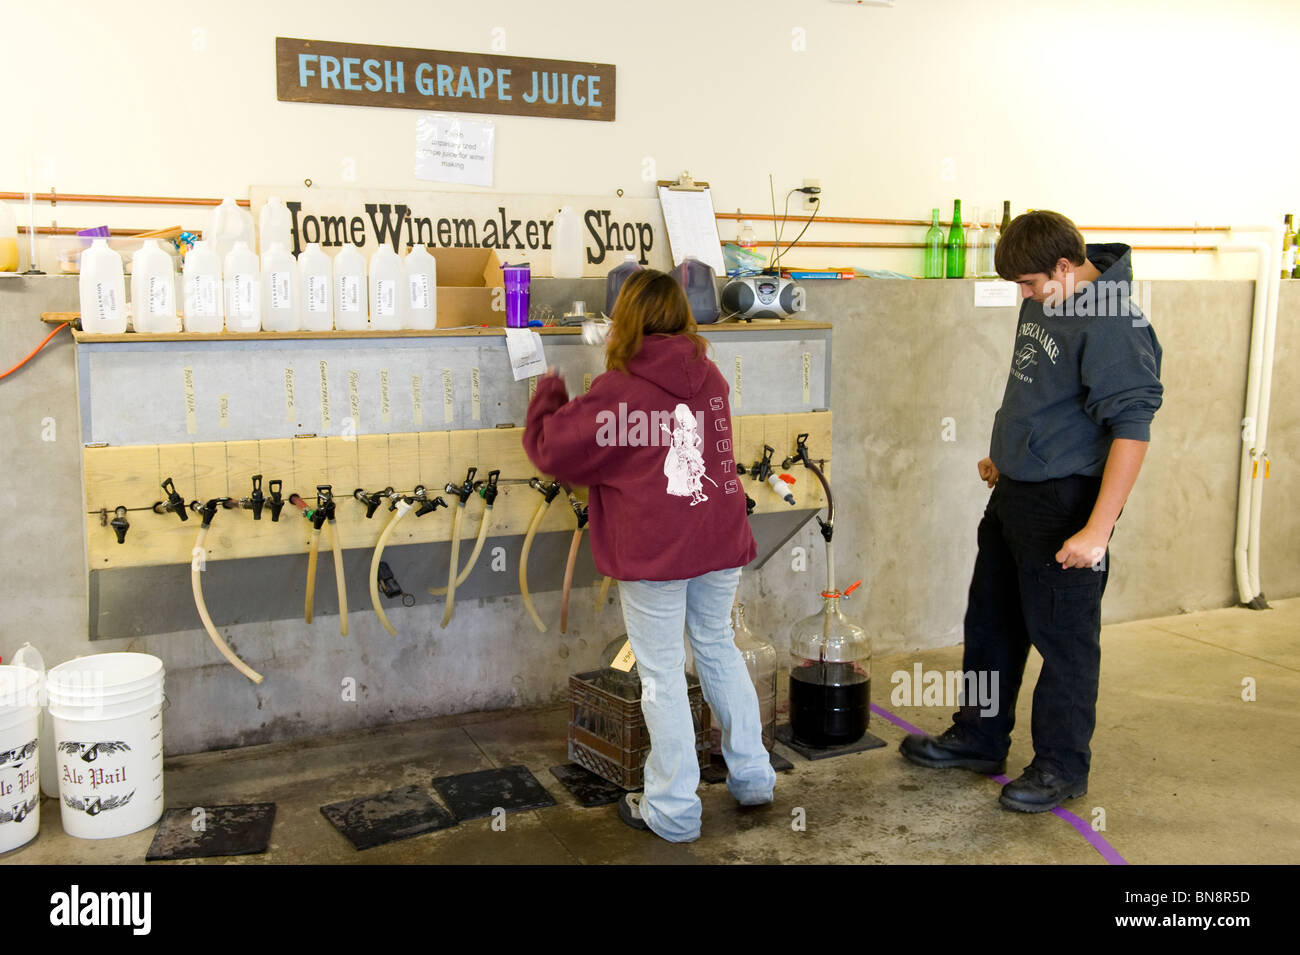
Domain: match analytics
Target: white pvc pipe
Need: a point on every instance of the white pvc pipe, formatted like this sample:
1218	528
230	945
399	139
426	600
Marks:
1268	257
1261	429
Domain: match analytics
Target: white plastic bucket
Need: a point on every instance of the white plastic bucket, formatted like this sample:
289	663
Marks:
20	775
28	656
107	712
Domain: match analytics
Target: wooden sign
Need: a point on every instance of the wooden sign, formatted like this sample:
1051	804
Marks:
358	74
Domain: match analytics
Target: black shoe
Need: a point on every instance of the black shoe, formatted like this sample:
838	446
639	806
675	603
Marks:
1040	790
629	810
949	751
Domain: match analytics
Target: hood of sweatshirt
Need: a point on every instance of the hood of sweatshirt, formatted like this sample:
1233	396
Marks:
669	361
1113	260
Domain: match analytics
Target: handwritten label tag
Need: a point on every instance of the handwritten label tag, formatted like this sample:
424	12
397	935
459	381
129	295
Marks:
807	375
448	397
385	407
417	402
473	382
586	383
223	411
625	659
290	410
532	387
324	396
191	416
354	398
737	382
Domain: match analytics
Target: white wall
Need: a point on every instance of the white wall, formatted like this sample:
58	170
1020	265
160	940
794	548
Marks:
1139	112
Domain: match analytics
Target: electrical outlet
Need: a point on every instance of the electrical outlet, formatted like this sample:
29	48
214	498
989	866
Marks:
810	202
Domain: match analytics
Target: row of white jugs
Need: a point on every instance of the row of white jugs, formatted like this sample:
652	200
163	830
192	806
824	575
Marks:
273	293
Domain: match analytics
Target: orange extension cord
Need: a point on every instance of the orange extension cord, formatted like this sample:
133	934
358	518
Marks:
35	350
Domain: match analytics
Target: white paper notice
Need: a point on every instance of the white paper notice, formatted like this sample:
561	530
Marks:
692	227
450	149
525	349
996	294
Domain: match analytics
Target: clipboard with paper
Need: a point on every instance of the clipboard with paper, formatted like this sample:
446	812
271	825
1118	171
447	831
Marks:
690	222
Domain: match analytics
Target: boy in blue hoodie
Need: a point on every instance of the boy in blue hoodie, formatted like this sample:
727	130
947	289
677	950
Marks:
1067	446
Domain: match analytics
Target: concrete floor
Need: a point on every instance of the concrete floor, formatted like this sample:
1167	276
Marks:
1184	769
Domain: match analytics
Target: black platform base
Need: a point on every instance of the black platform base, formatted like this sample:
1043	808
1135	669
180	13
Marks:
475	795
371	821
784	735
215	831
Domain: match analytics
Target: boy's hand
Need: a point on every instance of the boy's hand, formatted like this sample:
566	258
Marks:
1085	549
988	471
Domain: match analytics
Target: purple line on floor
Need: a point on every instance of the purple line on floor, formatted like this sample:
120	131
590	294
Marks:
1097	841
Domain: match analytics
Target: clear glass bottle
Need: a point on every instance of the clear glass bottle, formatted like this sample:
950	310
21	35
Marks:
988	251
830	677
934	248
760	661
974	244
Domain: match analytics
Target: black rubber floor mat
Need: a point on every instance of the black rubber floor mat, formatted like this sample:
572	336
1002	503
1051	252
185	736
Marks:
588	788
716	771
371	821
817	752
201	832
475	795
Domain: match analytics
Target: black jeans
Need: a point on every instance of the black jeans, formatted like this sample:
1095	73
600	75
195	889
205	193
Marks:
1019	596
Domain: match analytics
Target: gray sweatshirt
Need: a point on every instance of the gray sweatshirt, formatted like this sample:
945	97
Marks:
1082	374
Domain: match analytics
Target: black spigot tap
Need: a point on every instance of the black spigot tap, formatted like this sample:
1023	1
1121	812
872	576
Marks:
255	501
208	510
463	491
547	491
579	511
324	506
761	470
119	523
175	504
426	504
488	489
371	501
277	502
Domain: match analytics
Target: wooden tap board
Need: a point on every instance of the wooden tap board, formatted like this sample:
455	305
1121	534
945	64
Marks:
131	477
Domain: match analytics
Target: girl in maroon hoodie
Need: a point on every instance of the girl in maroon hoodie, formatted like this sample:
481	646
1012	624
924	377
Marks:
651	441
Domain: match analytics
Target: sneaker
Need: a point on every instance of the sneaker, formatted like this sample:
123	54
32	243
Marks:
1040	790
629	810
950	751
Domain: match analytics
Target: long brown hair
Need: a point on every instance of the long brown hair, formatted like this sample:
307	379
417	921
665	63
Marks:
650	303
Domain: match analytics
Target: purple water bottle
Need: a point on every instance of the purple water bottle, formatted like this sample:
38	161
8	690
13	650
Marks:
518	294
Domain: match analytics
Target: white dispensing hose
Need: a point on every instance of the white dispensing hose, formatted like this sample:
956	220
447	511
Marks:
455	558
337	546
474	554
401	510
312	551
523	564
196	566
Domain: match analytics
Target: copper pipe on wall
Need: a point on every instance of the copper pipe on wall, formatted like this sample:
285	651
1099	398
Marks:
925	223
73	230
55	198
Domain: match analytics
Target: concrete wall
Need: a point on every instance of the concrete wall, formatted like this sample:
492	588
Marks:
906	356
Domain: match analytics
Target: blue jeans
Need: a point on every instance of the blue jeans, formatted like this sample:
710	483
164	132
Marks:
656	611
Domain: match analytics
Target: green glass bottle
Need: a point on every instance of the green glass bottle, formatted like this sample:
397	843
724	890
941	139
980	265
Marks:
934	248
956	244
1289	258
1006	214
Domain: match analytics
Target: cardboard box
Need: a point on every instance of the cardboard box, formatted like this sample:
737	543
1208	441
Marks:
471	287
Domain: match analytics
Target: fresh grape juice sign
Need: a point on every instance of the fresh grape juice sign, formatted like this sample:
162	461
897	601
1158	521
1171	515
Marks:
356	74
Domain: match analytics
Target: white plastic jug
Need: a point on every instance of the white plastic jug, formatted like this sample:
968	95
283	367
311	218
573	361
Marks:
201	281
421	272
567	249
103	290
229	224
386	305
274	225
280	294
153	290
8	240
351	310
243	290
315	279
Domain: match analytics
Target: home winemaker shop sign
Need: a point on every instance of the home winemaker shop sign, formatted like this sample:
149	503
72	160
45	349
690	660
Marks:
355	74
